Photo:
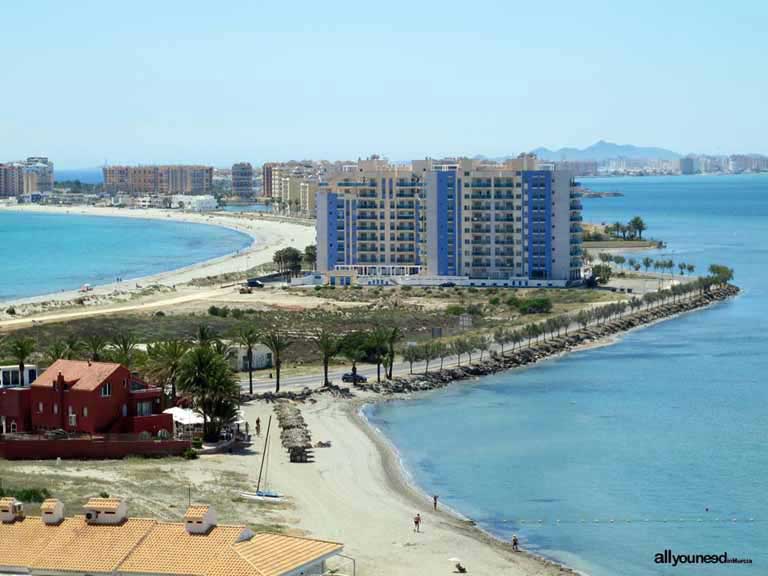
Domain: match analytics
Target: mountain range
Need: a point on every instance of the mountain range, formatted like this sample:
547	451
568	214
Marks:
603	150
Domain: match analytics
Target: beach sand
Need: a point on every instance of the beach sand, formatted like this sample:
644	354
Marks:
357	493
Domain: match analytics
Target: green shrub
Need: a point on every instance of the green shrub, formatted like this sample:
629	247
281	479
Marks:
405	288
513	301
318	288
189	454
495	301
475	309
11	311
535	305
25	494
455	310
103	494
159	314
197	443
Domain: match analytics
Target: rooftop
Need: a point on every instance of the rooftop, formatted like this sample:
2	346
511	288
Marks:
79	374
148	546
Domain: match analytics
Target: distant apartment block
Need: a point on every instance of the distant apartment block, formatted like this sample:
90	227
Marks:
688	165
163	180
514	223
242	179
33	175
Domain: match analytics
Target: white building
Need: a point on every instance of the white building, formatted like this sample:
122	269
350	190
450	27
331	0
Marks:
205	203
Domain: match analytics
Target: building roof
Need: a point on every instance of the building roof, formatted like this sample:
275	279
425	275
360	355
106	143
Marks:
79	374
79	546
170	549
49	505
7	501
106	504
146	546
275	554
196	512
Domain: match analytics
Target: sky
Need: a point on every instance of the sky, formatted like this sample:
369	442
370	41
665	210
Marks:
88	82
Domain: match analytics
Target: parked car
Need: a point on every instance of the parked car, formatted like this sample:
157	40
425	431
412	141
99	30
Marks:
354	378
253	283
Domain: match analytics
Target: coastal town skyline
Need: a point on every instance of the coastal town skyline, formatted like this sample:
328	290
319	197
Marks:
254	81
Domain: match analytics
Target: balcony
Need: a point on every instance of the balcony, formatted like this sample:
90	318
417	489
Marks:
576	218
575	205
576	230
480	196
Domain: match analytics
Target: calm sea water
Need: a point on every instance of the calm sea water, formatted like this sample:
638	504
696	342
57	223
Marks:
43	253
653	430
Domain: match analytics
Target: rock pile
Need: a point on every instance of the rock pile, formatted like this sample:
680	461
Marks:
294	432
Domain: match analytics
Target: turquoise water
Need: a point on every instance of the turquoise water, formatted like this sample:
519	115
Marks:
44	253
655	429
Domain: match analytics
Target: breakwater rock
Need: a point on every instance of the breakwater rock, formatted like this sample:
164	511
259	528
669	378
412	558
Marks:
552	346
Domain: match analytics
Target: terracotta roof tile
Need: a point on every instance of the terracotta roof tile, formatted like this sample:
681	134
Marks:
22	541
196	512
49	505
230	563
109	504
89	548
79	374
275	554
170	549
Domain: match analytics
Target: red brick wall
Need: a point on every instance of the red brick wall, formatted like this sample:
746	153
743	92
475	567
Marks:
87	449
14	405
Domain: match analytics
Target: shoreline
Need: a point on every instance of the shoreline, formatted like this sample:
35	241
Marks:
400	479
266	236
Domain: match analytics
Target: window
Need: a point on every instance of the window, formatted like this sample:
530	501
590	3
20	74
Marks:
125	410
13	426
106	390
55	408
85	411
39	407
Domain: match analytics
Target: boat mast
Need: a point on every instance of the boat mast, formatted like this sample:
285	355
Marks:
264	454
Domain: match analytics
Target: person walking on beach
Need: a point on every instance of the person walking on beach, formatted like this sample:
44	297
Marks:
434	501
515	543
417	523
258	426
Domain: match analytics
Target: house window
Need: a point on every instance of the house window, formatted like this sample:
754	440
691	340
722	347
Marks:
125	410
144	408
39	407
85	411
106	390
13	426
55	408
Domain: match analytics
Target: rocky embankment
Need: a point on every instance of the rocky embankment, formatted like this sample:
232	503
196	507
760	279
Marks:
551	347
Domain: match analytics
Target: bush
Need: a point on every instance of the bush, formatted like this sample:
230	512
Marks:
357	287
103	494
495	301
455	310
318	288
197	443
474	309
26	494
159	314
535	306
222	312
11	311
189	454
405	288
513	301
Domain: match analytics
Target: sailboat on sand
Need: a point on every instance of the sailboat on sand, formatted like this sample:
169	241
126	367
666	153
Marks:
265	495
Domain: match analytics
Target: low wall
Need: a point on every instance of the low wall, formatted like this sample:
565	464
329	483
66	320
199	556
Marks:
88	449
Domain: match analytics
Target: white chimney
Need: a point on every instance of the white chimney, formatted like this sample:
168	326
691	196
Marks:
105	511
10	510
52	511
199	519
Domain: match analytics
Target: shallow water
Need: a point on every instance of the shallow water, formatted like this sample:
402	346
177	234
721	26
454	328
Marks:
625	445
44	253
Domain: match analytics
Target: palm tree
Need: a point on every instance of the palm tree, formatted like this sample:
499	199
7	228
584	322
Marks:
411	354
638	225
483	344
457	347
277	342
123	347
164	363
20	349
501	337
95	345
353	348
690	268
378	346
223	349
682	266
647	263
441	351
394	336
329	345
207	380
205	335
75	347
248	338
55	351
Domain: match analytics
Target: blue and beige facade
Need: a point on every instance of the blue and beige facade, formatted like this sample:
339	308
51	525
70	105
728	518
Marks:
459	220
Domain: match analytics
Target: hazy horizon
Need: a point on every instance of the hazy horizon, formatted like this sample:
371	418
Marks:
177	82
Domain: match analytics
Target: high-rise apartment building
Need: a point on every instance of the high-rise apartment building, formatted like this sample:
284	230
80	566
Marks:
513	223
242	179
35	174
159	180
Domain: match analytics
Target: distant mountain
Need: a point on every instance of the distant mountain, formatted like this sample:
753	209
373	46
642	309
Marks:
603	150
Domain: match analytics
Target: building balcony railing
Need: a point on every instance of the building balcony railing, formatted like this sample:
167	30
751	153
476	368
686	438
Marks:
480	196
576	206
576	240
576	218
576	230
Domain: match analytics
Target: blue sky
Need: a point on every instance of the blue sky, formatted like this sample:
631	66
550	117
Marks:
217	82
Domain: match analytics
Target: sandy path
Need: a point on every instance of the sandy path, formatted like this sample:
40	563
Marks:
355	493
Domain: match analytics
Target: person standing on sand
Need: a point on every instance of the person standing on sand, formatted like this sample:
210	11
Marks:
515	543
258	426
434	502
417	523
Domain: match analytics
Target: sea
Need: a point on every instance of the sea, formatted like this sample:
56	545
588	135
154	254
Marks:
46	253
606	457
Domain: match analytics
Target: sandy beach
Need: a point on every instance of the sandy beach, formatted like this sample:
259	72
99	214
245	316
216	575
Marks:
267	235
356	492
